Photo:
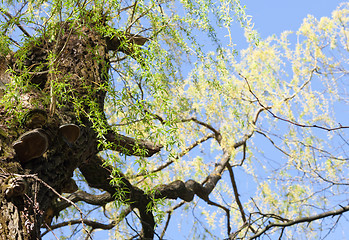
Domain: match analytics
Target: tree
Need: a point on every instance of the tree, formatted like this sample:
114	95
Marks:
119	96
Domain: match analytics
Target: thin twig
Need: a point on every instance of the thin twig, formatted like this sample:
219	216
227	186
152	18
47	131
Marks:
272	142
16	22
287	120
226	211
216	132
55	192
301	87
301	220
170	211
181	154
237	196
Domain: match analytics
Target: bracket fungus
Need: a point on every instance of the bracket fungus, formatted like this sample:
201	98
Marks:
70	132
30	145
35	118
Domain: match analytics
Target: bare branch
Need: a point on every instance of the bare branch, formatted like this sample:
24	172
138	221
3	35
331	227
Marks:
243	156
272	142
287	120
216	132
236	194
93	224
181	154
169	212
226	211
301	220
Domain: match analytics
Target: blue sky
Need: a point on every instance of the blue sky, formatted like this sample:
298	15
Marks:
273	16
269	17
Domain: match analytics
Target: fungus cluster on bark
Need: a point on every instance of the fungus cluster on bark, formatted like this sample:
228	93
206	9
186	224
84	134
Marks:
34	143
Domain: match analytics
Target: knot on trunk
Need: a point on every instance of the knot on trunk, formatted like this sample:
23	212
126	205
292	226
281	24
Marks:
179	189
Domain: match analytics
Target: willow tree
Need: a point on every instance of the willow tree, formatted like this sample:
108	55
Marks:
116	115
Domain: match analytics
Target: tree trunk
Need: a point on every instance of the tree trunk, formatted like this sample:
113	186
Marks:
38	152
49	123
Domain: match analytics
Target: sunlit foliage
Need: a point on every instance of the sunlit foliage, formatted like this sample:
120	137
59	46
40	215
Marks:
285	94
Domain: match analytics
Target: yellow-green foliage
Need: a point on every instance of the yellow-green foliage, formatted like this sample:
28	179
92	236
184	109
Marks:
283	94
225	91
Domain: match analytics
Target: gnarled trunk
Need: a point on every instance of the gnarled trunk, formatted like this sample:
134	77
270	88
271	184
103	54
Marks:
37	157
51	129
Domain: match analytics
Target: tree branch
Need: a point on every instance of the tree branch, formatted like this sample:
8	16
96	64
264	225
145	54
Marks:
99	200
169	212
186	191
236	194
216	132
287	120
7	14
93	224
125	42
301	220
272	142
131	146
226	211
181	154
99	176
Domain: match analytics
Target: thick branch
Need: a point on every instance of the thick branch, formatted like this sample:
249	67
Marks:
186	191
215	176
131	146
179	189
99	200
127	43
99	176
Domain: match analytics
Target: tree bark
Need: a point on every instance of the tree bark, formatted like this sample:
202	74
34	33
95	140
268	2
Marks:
76	61
52	128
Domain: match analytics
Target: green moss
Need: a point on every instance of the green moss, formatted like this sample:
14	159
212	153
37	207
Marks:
11	167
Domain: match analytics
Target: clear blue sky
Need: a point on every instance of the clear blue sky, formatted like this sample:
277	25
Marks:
273	16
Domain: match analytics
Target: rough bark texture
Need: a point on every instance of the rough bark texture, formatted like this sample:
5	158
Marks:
21	216
37	158
81	63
